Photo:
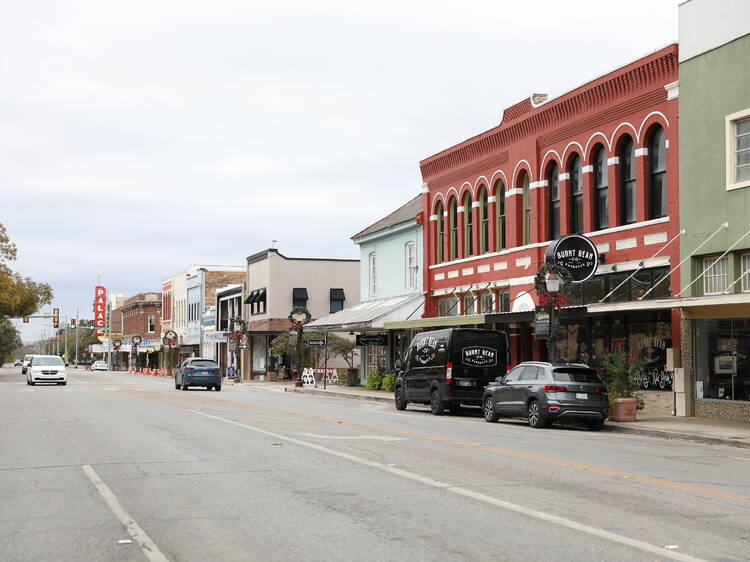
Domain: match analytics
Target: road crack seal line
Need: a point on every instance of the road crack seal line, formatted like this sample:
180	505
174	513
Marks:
562	521
492	449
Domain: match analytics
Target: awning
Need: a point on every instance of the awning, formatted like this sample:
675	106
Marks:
371	315
337	295
717	306
255	296
509	317
437	322
299	293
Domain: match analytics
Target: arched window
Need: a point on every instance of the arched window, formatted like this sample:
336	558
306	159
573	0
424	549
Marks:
500	220
576	195
439	233
657	173
523	184
553	190
468	226
627	181
601	190
453	225
484	221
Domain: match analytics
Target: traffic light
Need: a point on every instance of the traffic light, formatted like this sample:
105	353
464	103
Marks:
55	317
25	319
72	323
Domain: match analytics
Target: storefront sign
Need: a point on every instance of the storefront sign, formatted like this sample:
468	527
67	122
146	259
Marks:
577	254
371	340
479	356
214	337
136	340
100	310
541	323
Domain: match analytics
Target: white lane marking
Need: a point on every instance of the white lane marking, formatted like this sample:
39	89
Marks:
355	437
562	521
149	548
125	541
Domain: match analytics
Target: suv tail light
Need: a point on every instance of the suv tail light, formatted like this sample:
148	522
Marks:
602	391
189	369
554	388
449	372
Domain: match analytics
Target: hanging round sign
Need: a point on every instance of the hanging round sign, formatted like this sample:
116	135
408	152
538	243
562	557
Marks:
577	254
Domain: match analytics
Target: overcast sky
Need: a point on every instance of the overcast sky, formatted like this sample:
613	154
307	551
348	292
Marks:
139	137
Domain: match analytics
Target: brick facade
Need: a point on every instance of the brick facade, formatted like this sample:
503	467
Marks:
136	312
512	163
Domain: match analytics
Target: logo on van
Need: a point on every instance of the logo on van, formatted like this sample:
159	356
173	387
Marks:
477	356
425	350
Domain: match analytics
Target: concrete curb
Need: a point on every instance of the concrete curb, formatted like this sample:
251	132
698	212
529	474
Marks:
610	428
383	399
675	435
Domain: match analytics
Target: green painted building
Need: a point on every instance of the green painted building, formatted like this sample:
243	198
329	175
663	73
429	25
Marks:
714	123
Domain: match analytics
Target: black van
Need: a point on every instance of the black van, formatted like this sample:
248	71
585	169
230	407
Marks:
447	368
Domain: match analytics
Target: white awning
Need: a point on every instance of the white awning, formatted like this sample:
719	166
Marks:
726	306
371	315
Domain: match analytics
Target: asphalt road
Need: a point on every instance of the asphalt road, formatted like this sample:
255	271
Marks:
125	467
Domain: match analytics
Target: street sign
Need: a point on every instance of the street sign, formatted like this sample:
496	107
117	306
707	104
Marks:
317	342
371	340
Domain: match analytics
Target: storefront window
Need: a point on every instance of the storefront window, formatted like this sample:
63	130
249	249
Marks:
647	345
469	301
722	353
486	305
448	307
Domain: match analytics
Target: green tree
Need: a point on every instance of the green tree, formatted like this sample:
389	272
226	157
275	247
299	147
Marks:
9	340
19	296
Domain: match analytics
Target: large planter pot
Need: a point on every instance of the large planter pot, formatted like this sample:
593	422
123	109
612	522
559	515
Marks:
624	409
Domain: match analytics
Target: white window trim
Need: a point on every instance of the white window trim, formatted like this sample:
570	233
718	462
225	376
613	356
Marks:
720	261
373	274
411	280
745	283
729	134
151	319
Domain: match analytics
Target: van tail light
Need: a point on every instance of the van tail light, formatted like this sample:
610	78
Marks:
602	391
449	372
554	388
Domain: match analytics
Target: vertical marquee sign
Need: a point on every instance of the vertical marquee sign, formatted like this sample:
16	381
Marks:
100	311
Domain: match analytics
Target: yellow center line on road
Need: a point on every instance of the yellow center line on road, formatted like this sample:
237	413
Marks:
468	444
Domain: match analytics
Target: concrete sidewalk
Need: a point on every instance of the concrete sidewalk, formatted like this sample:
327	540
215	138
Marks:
721	432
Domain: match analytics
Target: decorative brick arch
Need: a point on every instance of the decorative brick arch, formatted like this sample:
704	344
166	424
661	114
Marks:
595	140
649	122
621	130
545	164
517	172
435	200
498	175
566	155
478	183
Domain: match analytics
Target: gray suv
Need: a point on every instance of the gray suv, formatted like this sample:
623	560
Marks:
546	392
197	371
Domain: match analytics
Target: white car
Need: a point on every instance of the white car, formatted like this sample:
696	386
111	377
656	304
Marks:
99	366
46	368
25	363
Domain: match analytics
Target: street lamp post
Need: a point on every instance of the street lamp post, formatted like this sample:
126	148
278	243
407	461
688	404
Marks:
552	284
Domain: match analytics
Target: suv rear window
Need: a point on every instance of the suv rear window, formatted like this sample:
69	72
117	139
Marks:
575	375
203	363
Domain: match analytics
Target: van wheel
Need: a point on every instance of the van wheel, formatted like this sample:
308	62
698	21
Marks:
400	398
489	410
436	403
536	419
184	387
217	387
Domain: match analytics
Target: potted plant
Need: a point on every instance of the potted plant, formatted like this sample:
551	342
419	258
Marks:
617	369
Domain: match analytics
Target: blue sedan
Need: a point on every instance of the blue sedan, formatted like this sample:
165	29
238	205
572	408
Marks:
196	371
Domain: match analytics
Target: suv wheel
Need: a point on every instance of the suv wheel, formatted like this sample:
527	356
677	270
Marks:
489	410
536	418
594	425
400	398
436	403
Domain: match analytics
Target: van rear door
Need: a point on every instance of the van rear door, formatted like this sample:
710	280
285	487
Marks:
478	357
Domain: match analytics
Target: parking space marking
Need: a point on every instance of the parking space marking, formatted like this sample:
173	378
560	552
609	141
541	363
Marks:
149	548
562	521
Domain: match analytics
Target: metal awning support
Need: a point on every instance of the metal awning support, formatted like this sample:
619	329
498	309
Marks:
732	247
675	237
690	255
740	278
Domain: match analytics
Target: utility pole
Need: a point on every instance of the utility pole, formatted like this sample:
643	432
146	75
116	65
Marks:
77	322
66	339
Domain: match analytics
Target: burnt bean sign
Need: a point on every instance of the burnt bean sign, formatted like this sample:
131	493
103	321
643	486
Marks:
577	254
479	356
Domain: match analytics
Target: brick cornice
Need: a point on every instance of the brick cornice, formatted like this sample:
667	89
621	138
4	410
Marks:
655	69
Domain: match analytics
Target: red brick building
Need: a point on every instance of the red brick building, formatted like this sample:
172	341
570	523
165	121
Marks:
141	316
600	160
